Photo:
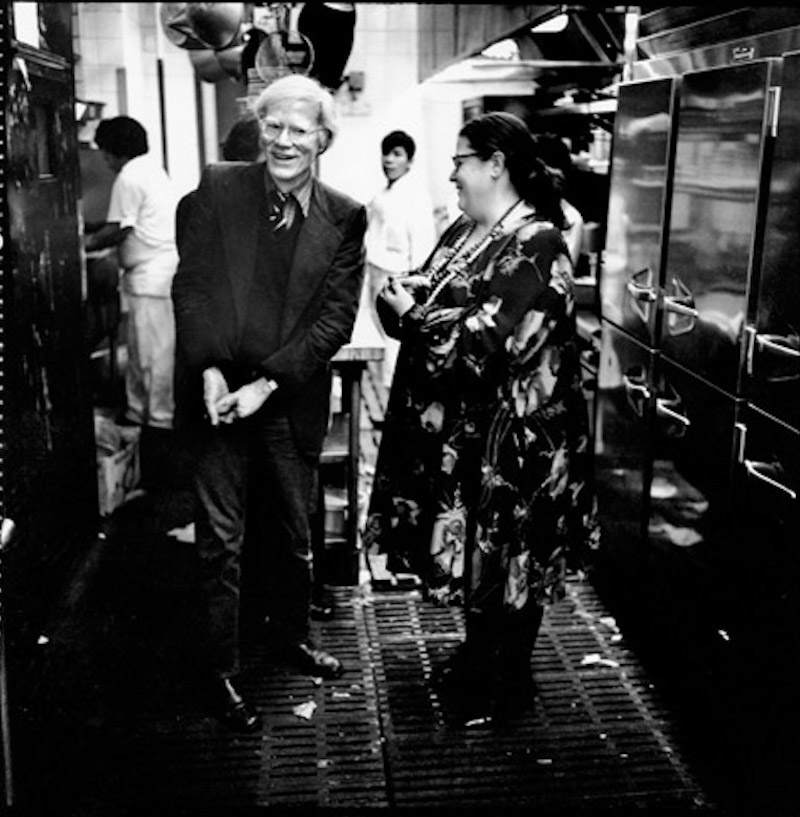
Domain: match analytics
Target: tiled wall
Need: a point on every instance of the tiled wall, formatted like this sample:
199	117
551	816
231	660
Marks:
119	45
385	50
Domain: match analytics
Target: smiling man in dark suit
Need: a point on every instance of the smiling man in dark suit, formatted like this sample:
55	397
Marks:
266	293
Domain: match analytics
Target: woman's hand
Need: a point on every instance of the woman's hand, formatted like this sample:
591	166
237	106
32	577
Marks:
413	282
397	297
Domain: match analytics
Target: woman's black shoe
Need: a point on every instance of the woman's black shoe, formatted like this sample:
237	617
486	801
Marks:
474	695
513	698
456	672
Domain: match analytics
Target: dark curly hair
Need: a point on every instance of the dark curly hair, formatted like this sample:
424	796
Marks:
533	180
122	136
243	142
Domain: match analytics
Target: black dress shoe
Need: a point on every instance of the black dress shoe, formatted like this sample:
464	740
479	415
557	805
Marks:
234	710
315	662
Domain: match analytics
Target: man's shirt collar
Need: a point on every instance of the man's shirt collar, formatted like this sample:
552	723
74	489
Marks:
301	193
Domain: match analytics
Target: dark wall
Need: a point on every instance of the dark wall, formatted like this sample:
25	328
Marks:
49	482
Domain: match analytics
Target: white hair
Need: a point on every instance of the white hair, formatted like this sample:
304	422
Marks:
299	88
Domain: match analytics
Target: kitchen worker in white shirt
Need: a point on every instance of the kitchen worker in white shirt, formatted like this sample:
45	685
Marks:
141	224
401	230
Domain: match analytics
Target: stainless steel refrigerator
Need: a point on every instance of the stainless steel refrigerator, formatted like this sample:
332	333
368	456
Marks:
698	408
698	428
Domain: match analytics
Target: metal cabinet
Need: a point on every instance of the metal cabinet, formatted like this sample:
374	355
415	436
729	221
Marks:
771	370
623	431
637	207
764	549
699	387
49	481
720	144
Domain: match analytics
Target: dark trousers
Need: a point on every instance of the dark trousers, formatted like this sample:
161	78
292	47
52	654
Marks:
503	640
287	491
262	585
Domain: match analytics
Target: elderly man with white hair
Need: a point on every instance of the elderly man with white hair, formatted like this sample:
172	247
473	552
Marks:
266	293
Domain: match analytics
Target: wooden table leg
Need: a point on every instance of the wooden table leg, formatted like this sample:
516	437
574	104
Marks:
354	443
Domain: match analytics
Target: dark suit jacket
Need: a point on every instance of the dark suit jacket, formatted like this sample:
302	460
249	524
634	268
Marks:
210	292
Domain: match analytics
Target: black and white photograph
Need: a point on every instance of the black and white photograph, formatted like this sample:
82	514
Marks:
399	409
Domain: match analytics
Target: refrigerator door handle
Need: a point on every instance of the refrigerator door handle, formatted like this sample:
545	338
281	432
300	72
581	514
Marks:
642	292
680	306
779	345
664	409
636	389
680	309
783	347
759	470
750	347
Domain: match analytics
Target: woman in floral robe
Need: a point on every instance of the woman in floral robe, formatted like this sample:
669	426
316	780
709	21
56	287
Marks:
482	485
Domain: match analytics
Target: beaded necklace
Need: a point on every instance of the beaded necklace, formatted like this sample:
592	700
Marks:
453	261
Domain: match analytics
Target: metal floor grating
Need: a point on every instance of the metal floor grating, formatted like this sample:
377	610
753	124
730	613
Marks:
332	758
598	738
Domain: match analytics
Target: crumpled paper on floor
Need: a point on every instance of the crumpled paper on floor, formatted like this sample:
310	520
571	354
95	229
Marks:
595	658
305	710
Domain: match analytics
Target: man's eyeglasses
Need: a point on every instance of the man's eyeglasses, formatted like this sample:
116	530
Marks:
272	130
459	159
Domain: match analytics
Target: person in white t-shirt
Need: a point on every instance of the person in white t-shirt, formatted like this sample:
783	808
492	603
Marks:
141	224
401	230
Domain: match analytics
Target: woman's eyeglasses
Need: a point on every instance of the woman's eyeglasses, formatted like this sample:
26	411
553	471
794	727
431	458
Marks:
272	130
459	159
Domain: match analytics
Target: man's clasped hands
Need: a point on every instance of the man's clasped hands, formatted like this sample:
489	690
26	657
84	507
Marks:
225	406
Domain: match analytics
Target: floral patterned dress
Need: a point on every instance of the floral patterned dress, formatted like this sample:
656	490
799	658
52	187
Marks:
482	483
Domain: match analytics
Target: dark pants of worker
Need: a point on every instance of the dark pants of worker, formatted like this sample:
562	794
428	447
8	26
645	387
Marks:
223	455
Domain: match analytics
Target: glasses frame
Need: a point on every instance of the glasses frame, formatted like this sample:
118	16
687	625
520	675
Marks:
291	130
459	159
